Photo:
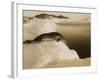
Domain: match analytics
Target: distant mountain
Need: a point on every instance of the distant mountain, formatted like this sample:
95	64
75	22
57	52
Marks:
59	19
44	16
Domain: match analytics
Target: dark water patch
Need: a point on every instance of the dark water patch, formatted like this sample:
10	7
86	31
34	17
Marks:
78	38
81	46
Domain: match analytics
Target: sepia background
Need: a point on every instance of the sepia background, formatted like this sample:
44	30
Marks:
76	31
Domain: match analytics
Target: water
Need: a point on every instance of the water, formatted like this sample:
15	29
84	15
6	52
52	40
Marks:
77	37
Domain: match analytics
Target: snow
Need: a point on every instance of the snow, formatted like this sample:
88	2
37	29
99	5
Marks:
40	54
36	27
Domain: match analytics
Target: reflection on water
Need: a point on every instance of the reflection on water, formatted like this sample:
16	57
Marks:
77	37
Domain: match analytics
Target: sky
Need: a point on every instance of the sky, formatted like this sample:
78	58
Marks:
73	17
